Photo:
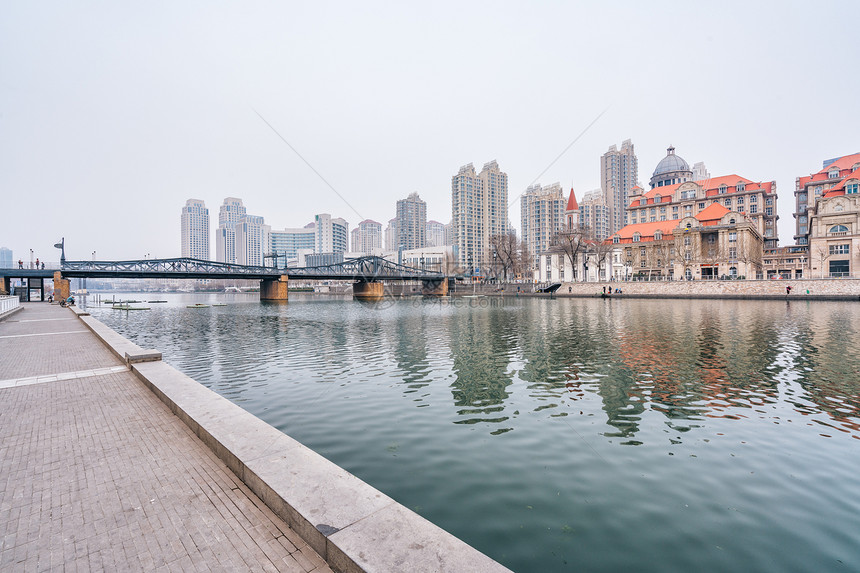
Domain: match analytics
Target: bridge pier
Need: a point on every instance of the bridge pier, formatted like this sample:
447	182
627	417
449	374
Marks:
435	287
274	289
368	290
62	287
5	285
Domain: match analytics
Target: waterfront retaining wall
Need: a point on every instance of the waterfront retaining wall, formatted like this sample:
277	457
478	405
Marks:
835	289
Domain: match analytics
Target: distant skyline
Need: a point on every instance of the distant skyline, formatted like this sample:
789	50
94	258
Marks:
112	115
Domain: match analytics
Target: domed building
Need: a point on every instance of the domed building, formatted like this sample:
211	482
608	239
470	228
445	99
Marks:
672	169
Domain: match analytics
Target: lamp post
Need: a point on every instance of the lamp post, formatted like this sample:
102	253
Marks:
94	256
31	258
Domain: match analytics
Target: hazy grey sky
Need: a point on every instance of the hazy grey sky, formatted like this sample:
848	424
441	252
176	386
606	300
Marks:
112	114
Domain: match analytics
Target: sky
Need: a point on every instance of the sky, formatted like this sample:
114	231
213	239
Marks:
113	114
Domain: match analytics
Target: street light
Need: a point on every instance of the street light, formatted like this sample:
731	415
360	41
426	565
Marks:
62	246
94	255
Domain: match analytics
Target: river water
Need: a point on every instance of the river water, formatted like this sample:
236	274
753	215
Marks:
561	435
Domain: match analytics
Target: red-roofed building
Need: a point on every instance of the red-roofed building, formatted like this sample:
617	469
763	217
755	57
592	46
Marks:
716	242
755	200
828	218
809	188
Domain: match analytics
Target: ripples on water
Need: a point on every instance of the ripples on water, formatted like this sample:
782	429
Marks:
568	434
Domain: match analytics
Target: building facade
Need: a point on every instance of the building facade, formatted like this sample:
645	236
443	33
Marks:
331	234
543	216
195	230
435	234
809	188
391	235
411	222
671	201
479	205
834	224
231	212
672	169
594	214
252	240
6	258
367	237
285	244
619	172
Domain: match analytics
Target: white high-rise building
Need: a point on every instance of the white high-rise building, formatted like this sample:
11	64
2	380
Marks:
412	222
285	244
5	258
252	240
435	234
594	214
367	237
619	172
542	212
391	236
479	205
700	172
331	234
195	230
230	213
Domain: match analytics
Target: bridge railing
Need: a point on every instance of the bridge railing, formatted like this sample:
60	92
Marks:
8	303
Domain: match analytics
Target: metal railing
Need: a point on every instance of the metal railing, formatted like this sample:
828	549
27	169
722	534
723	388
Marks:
8	303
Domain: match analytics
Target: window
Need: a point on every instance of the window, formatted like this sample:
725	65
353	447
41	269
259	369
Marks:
753	198
802	219
833	173
675	210
686	241
733	237
688	256
768	211
768	201
688	194
801	198
658	235
753	209
731	221
701	205
616	239
636	237
728	202
741	186
838	230
653	211
643	201
642	263
839	249
852	188
722	189
733	254
839	268
733	272
642	251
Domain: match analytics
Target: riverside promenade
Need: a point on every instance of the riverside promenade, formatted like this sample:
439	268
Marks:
114	460
99	475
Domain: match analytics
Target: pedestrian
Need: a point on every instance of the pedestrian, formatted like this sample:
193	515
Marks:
37	262
787	290
20	264
43	265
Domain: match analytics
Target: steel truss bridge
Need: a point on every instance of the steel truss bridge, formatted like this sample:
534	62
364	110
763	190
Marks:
366	269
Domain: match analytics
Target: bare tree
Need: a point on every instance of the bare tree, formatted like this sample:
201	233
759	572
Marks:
525	264
571	241
600	253
504	252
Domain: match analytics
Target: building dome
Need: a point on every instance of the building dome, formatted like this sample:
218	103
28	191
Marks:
671	163
671	169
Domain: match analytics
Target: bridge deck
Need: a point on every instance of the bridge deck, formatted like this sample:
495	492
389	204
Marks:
97	473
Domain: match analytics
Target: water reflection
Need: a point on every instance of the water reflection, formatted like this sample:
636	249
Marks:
684	361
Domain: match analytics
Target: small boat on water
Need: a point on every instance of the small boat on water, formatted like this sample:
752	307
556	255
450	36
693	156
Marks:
129	307
219	304
154	301
198	305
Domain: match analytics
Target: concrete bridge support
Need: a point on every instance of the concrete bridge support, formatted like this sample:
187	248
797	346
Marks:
435	287
62	287
274	289
368	290
5	286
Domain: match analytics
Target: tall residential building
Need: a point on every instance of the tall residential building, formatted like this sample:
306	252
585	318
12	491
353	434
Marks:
331	234
285	244
479	205
367	237
619	172
195	230
391	235
411	222
252	240
809	189
435	234
594	214
542	211
5	258
448	234
230	213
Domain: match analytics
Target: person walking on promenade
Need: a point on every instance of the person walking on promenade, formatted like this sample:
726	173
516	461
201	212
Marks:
20	264
37	263
787	290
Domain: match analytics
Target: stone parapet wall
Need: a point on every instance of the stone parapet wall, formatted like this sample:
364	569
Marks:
801	288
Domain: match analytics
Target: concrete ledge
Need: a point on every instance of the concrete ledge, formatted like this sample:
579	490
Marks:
353	526
79	311
124	349
9	313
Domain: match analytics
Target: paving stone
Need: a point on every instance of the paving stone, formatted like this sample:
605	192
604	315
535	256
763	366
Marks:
98	475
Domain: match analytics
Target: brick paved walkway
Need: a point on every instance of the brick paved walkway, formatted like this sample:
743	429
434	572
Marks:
98	475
